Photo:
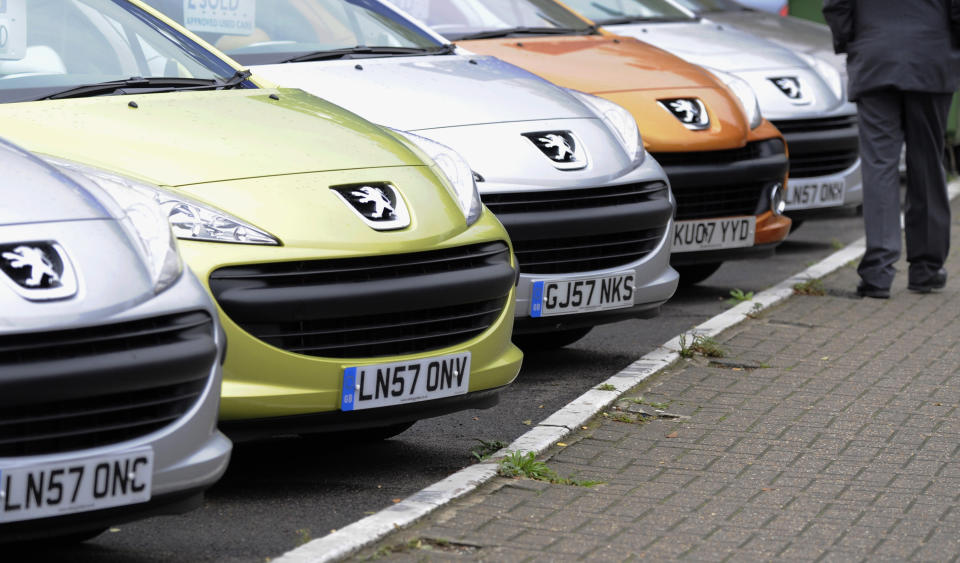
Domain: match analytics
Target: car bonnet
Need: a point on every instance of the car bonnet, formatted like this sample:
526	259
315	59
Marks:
793	33
184	138
713	45
34	192
428	92
596	63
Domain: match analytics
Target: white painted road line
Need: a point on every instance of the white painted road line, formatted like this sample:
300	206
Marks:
557	426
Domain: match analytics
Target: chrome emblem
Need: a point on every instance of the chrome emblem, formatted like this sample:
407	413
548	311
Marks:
790	86
38	271
690	111
379	205
561	147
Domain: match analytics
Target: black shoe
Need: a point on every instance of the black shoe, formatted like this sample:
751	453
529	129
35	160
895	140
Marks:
866	290
938	281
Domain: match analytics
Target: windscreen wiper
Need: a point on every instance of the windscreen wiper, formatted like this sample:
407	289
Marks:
496	33
363	51
152	84
641	19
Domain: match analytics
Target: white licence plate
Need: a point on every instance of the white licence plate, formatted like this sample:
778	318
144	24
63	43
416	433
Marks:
397	383
80	485
806	195
710	234
563	297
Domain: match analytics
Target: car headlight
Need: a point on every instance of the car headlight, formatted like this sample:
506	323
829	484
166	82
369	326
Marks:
141	216
448	164
827	72
619	120
744	93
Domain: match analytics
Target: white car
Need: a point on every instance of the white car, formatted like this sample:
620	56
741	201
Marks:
803	95
587	209
109	359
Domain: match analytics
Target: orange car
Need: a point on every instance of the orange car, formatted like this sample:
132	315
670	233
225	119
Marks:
727	165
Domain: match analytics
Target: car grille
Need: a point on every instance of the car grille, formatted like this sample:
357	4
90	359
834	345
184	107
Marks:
811	165
342	308
724	183
820	147
551	248
789	126
69	390
703	202
550	200
583	254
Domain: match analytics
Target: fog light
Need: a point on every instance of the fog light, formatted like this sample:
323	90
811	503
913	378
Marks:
777	205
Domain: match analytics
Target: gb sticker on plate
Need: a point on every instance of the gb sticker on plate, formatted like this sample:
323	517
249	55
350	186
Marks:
230	17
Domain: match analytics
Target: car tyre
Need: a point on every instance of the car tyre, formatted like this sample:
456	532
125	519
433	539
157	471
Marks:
550	340
691	274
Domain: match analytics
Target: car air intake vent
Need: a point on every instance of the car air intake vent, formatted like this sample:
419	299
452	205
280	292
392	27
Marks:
372	306
809	125
703	202
586	253
751	151
543	200
75	389
811	165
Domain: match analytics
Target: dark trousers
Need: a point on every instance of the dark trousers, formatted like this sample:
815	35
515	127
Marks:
888	118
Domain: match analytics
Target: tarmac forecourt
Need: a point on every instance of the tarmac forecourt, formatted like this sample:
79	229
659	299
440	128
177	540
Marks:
559	425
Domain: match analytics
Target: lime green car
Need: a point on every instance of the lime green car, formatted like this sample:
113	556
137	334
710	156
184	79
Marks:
360	282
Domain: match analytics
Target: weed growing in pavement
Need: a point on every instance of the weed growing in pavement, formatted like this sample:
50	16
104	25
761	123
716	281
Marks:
755	311
654	404
706	346
836	244
526	464
423	544
810	287
623	417
703	345
605	387
738	296
487	448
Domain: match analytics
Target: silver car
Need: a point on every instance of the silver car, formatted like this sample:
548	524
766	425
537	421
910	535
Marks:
109	358
587	209
802	95
796	34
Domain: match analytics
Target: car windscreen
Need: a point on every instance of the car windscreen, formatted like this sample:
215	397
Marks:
287	30
475	19
701	6
626	11
57	46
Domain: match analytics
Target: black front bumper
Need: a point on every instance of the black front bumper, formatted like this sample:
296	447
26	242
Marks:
530	325
89	522
339	421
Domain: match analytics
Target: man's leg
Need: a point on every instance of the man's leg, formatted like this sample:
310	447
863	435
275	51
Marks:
881	137
927	210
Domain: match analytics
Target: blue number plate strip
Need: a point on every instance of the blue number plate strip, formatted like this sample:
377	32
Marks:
349	389
536	300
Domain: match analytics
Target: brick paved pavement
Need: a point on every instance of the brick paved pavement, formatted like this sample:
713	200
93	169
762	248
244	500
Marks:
831	432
